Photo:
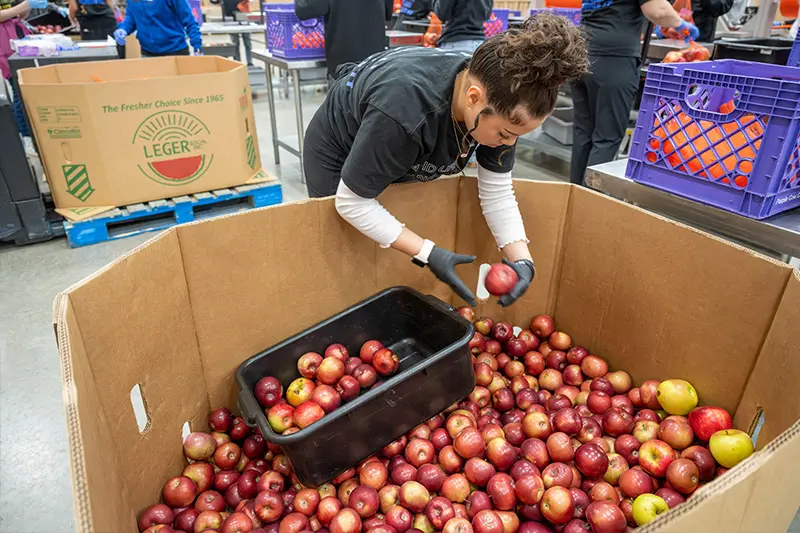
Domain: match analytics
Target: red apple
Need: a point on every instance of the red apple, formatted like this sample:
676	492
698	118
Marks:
591	460
421	451
645	430
364	500
431	477
535	451
557	505
594	367
414	496
237	522
617	422
155	515
307	413
308	364
598	402
648	392
374	474
634	482
556	359
368	351
386	362
501	454
455	488
543	326
399	518
705	421
337	351
478	471
469	443
449	460
550	379
602	491
676	433
208	520
670	496
605	517
529	489
557	474
701	457
500	279
179	491
348	388
536	425
534	363
567	420
655	457
439	511
457	525
327	509
628	447
559	447
487	522
365	375
347	521
268	391
280	418
589	430
683	475
617	465
330	371
327	398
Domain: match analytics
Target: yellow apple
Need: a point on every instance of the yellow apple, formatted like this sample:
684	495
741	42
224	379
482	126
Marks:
646	507
676	396
730	447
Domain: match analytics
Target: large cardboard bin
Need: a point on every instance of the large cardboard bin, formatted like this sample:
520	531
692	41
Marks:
179	314
113	133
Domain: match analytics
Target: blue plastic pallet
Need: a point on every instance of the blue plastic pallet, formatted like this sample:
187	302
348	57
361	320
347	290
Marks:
161	214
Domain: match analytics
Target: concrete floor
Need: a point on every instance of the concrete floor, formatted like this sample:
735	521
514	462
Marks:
35	487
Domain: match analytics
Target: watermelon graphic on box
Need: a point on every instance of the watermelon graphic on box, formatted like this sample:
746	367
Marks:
172	143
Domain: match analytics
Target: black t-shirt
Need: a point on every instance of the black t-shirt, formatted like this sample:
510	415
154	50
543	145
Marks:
463	19
614	27
389	120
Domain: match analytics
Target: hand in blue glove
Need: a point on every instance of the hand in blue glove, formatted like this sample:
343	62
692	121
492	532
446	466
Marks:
119	36
688	30
63	11
659	33
37	4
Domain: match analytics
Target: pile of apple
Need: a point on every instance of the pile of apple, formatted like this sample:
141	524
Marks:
549	441
325	384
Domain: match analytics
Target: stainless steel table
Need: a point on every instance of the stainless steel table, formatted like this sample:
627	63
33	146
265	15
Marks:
229	28
293	68
779	234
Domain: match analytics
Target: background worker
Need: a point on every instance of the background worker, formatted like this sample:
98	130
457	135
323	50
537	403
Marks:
603	98
349	38
414	114
412	10
11	27
161	27
229	9
463	20
705	14
95	18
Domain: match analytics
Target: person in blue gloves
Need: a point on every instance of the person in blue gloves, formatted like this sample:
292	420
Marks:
95	18
603	98
161	27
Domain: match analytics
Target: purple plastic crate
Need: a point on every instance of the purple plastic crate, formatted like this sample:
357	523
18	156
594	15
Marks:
292	38
571	14
497	24
725	133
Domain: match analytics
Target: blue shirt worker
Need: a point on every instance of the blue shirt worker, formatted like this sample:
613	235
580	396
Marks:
161	27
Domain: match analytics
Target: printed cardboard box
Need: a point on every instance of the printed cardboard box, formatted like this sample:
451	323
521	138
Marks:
179	314
114	133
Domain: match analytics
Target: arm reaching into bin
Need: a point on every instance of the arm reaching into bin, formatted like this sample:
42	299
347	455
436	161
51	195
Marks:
20	10
662	14
381	152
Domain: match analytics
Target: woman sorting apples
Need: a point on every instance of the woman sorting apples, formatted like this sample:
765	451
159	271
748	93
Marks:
415	114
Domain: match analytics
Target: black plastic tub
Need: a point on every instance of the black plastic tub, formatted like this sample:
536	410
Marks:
774	51
431	340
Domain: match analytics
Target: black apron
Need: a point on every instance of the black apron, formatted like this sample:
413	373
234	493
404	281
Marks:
96	19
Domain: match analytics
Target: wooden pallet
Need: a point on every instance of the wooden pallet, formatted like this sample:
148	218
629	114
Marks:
161	214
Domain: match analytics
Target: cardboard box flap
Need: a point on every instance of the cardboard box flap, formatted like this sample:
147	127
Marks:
137	328
82	213
699	291
773	384
757	496
125	70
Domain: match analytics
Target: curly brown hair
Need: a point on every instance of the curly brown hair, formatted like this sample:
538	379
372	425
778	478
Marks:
525	67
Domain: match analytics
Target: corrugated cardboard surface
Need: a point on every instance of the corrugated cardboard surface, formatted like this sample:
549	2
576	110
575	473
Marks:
658	299
114	133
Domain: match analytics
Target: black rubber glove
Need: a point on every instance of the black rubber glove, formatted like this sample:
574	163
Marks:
525	272
443	262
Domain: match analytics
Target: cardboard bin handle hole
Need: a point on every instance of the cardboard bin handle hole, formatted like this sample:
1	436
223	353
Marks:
140	409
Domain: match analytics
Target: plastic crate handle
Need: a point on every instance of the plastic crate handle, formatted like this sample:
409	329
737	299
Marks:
248	407
794	55
309	23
